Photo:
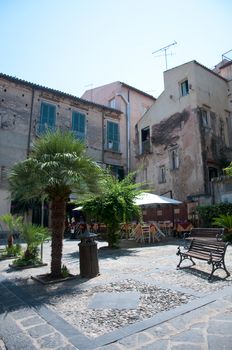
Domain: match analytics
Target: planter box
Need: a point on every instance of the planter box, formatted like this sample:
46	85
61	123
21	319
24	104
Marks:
7	257
26	266
46	279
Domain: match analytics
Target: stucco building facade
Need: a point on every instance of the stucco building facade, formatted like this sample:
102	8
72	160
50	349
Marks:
185	138
27	110
133	103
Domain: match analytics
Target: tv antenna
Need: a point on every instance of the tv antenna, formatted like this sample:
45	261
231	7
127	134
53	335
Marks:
164	49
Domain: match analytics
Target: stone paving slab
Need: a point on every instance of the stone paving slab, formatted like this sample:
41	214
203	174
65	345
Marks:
111	300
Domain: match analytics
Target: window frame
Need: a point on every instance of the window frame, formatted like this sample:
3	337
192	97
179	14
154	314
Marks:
162	174
145	140
184	87
205	118
112	144
174	158
79	134
45	125
112	103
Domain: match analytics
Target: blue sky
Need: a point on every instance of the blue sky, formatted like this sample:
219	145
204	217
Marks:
71	45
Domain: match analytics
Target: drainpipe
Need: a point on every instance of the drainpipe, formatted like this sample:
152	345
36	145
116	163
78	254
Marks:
30	122
103	137
128	122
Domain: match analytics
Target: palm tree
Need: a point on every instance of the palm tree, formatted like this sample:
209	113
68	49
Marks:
33	235
57	167
13	223
115	205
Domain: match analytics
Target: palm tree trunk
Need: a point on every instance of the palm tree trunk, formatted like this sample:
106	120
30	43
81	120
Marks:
57	222
10	241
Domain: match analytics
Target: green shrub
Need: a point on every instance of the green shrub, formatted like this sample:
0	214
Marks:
22	261
14	250
225	221
207	213
64	271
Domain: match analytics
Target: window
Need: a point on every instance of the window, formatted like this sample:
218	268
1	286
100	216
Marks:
204	117
145	175
184	86
174	159
117	171
47	118
213	172
112	136
112	103
78	125
229	128
162	174
145	138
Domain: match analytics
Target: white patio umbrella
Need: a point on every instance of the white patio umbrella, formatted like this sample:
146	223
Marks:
78	208
145	198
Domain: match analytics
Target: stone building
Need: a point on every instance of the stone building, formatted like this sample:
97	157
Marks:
185	138
132	102
27	110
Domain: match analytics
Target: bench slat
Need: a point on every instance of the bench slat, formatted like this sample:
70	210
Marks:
202	256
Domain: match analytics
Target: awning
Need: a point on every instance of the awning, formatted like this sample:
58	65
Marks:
145	198
78	208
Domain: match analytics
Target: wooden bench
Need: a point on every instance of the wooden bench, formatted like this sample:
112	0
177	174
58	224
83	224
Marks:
211	251
205	233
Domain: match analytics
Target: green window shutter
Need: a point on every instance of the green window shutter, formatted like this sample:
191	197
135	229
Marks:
44	113
47	114
113	136
74	121
81	123
78	124
47	117
110	131
51	115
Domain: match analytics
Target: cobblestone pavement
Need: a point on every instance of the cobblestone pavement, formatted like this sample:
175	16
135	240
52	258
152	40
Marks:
165	308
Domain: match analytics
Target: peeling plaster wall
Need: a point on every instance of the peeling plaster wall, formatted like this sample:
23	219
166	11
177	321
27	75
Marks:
212	96
178	130
175	121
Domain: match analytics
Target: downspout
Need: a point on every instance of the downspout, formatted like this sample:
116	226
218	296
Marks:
30	122
128	133
103	137
127	101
